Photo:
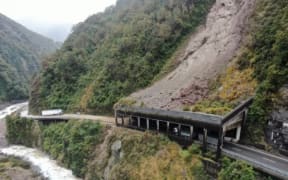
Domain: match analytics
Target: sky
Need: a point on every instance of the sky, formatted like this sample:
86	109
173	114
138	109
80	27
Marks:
53	18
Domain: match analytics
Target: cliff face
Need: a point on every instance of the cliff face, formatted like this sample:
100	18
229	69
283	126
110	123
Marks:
208	53
21	53
127	154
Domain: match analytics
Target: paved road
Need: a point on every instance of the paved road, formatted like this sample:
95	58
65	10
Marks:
103	119
274	165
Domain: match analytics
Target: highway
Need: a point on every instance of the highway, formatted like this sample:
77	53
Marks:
263	161
271	164
103	119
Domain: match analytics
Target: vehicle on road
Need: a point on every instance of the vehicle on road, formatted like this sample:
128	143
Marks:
52	112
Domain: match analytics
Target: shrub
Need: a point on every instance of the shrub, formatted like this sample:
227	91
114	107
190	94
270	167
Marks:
236	170
115	53
21	131
72	143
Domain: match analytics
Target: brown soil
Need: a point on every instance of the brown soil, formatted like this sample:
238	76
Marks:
207	55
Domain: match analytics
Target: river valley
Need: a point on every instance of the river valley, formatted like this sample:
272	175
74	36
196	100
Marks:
30	164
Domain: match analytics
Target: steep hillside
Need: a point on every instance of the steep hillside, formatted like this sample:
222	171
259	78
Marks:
205	57
260	68
241	52
21	52
114	53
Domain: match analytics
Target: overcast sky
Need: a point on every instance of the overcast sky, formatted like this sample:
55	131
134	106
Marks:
52	17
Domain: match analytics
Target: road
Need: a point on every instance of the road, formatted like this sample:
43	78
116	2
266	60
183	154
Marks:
271	164
263	161
103	119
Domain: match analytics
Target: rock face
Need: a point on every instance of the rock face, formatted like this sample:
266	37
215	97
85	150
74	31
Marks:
207	54
277	130
280	112
115	157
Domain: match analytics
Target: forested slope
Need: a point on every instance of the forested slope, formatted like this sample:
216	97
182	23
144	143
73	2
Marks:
114	53
20	56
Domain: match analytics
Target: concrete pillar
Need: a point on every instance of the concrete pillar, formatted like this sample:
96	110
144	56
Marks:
116	120
147	123
219	144
157	121
244	117
191	132
122	121
238	133
168	127
204	140
130	121
138	122
179	129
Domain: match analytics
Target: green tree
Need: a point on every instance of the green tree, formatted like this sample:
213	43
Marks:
236	170
114	53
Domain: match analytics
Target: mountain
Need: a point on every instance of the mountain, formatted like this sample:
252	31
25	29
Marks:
167	54
192	55
158	53
114	53
21	53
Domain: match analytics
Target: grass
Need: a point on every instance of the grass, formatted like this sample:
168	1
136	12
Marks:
10	162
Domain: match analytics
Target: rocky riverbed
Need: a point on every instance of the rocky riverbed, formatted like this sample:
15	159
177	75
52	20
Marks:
30	164
13	168
10	167
16	169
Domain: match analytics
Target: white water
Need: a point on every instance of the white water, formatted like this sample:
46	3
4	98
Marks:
11	109
47	167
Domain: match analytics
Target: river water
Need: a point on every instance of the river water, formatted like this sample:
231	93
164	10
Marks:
47	167
40	161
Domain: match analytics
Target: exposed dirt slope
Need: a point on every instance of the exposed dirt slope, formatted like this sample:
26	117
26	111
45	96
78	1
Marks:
207	54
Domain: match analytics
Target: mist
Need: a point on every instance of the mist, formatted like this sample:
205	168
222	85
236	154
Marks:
57	32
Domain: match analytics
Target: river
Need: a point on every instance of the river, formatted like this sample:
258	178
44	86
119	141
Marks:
47	167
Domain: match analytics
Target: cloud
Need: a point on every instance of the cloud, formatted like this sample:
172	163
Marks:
56	11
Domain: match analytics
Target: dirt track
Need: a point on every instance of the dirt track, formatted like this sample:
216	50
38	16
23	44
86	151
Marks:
207	54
